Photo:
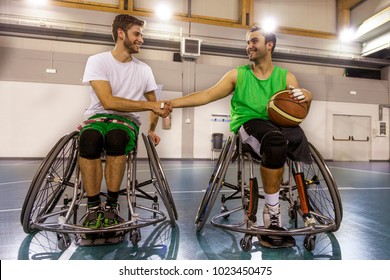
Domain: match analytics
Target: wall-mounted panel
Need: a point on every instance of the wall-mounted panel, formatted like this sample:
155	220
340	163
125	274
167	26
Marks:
226	9
317	15
177	6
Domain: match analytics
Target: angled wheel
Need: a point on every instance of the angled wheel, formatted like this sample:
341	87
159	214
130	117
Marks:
215	184
160	181
35	178
323	195
48	187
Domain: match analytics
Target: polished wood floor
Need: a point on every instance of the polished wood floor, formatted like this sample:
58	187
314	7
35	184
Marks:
364	233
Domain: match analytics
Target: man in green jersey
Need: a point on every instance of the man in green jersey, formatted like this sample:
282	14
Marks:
252	86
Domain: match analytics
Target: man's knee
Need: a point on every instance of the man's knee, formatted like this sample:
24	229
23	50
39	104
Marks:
116	142
91	144
273	150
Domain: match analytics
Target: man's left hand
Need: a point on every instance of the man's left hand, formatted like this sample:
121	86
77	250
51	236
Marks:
156	139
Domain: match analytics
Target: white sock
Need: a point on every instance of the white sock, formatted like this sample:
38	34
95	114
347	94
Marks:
272	199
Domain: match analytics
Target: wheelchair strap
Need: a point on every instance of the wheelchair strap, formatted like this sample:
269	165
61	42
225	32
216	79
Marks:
103	119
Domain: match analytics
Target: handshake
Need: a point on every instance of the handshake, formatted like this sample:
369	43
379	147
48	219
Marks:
163	108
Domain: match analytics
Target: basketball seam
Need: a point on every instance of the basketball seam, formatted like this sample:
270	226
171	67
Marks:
284	114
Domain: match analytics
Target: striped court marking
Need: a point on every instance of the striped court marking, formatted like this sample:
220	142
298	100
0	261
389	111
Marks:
358	170
68	253
15	182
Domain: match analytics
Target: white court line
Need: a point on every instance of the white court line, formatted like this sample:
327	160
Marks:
358	170
11	210
68	253
15	182
20	163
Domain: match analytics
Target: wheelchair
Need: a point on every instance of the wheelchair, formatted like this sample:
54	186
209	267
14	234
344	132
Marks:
56	199
308	193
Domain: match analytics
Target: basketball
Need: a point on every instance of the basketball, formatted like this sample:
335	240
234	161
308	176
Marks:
284	111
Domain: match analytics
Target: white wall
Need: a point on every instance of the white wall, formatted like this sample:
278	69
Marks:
35	115
170	145
204	127
318	126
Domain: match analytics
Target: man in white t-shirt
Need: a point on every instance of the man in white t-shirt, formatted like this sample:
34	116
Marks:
120	86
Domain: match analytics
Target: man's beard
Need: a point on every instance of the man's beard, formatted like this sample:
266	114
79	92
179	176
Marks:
129	46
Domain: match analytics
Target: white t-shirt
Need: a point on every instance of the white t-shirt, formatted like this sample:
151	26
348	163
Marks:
130	80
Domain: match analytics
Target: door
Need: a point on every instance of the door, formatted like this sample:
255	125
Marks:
351	138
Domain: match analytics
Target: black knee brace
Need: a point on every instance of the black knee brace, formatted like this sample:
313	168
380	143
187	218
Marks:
91	144
116	142
273	150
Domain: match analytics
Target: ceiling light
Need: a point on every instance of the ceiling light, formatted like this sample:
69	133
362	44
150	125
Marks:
347	35
269	24
163	12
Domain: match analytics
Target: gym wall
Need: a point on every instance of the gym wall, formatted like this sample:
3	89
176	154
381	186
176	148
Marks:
37	108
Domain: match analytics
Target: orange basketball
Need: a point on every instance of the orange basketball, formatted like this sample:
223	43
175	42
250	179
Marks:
284	111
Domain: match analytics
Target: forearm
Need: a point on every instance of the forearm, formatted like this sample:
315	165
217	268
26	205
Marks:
103	91
153	120
127	105
192	100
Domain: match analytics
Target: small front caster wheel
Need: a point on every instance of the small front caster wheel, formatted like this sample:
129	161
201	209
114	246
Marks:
310	242
64	241
246	243
223	210
135	236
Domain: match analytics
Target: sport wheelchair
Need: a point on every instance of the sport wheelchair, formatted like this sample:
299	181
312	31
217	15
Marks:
307	191
56	200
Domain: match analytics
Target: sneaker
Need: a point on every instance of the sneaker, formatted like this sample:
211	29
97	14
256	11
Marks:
93	217
271	216
111	215
309	221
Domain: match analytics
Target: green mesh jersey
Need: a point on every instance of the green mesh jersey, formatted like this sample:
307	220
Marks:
251	95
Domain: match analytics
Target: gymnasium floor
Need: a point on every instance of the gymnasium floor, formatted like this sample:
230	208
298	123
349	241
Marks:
364	233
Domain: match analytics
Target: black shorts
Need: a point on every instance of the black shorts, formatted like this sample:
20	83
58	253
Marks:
253	131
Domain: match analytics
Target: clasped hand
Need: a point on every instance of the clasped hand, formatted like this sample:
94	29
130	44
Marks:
164	110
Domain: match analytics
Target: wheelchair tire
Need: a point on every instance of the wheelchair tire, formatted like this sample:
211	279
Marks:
37	174
50	182
162	186
323	195
165	184
215	184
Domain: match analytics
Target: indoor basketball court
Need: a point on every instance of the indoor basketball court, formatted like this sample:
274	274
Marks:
44	49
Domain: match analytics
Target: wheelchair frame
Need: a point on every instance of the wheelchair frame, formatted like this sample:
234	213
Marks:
58	179
321	197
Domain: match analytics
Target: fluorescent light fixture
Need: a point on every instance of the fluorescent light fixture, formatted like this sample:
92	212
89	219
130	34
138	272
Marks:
51	71
163	11
379	20
269	24
377	44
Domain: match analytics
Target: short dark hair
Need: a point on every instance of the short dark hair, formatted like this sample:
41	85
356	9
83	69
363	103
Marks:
124	22
269	36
